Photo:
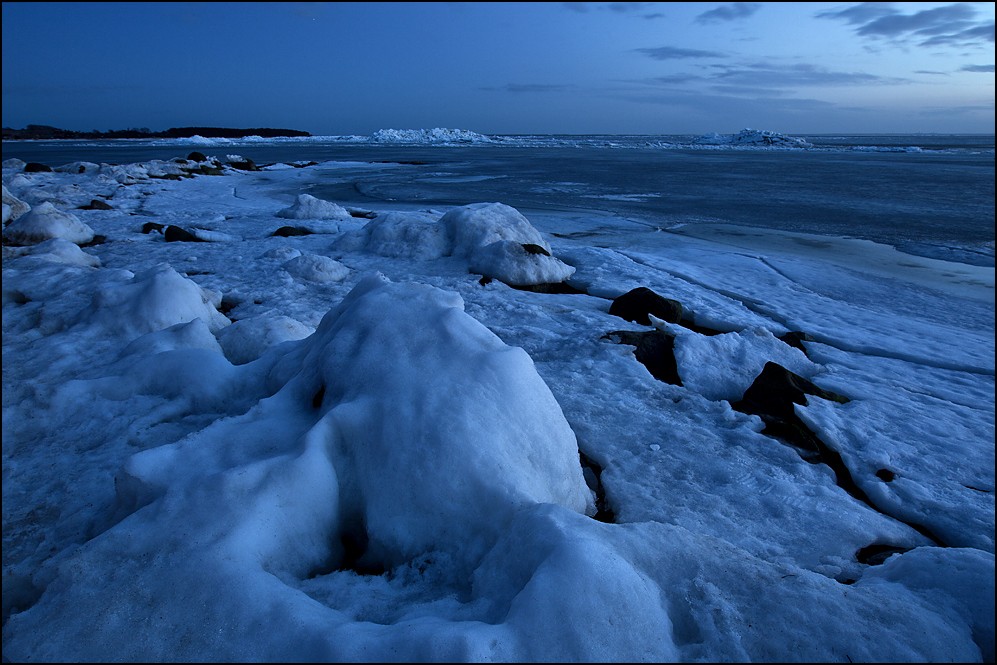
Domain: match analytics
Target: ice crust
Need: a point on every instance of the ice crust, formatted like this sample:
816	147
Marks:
181	484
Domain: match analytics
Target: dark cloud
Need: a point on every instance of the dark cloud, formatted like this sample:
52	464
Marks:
764	75
950	24
729	12
977	68
674	53
529	87
928	71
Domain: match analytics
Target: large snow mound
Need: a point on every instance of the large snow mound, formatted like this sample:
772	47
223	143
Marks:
44	222
436	135
399	234
152	300
752	137
307	206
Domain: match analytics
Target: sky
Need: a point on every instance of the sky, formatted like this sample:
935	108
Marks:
502	68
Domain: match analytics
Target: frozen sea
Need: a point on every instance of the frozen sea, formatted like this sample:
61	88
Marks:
413	429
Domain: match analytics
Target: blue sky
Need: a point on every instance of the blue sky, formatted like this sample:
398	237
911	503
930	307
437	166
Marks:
631	67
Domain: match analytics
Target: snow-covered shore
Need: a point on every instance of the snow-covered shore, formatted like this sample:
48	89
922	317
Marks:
359	439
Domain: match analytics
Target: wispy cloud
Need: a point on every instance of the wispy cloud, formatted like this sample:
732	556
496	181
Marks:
617	7
977	68
953	24
529	87
674	53
729	12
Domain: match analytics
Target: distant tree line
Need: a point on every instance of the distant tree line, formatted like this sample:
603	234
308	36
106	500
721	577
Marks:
35	132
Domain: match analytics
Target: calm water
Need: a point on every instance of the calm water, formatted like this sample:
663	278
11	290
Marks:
938	202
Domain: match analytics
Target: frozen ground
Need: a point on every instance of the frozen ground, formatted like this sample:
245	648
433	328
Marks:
353	445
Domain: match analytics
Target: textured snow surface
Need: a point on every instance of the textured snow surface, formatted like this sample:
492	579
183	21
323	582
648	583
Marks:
347	445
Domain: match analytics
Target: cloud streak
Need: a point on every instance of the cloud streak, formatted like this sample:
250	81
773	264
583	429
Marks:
518	88
953	24
675	53
730	12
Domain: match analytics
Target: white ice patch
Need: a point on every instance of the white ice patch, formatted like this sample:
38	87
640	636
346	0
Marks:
44	222
307	206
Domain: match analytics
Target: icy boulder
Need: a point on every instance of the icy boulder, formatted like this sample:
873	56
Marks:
316	268
58	250
13	207
308	207
436	135
473	226
753	137
247	339
501	243
153	300
399	234
45	222
441	431
519	264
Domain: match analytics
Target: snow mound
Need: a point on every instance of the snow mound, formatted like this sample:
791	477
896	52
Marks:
752	137
153	300
436	135
438	447
45	222
59	250
473	226
247	339
13	207
512	262
316	268
78	167
399	234
308	207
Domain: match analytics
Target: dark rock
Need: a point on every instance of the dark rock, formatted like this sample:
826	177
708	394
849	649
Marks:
635	305
317	399
205	169
534	249
776	389
96	240
655	350
885	475
702	330
177	234
363	214
197	157
35	167
558	287
286	231
593	478
796	339
149	227
301	166
97	204
485	279
246	165
874	555
166	176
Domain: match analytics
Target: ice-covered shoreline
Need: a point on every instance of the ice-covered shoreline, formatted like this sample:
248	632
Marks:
747	139
205	441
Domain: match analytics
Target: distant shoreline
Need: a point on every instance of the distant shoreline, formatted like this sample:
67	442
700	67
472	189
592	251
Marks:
43	132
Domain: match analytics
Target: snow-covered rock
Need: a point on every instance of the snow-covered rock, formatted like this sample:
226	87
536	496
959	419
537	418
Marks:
58	250
152	300
399	234
78	167
247	339
316	268
44	222
517	264
473	226
13	207
307	206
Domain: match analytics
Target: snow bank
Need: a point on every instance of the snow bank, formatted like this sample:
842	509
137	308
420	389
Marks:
44	222
754	138
399	234
247	339
307	206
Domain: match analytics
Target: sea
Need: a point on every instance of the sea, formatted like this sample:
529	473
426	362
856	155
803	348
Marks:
928	195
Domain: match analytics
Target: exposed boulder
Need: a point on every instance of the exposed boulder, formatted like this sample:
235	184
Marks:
636	304
196	157
177	234
655	350
286	231
97	204
35	167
